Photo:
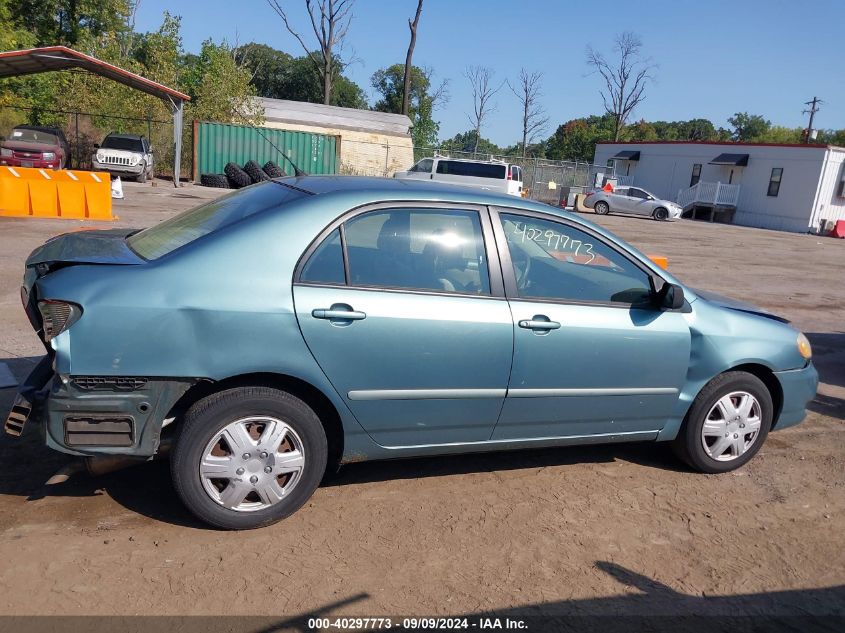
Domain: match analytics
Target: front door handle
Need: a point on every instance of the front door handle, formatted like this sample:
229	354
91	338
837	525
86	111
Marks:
539	323
338	313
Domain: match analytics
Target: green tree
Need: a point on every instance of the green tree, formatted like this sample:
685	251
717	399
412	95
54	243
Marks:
268	67
389	83
71	22
747	127
466	142
576	139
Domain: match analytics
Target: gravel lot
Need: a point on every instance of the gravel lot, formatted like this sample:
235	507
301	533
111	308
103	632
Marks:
613	529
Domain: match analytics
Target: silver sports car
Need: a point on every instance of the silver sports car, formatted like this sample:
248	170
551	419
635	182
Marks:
632	200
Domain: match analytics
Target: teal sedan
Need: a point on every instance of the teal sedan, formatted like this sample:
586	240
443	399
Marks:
307	322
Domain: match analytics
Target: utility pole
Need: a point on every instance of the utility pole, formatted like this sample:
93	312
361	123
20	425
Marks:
814	107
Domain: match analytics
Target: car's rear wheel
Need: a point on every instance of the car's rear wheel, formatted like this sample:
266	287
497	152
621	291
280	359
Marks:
601	207
248	457
660	214
727	423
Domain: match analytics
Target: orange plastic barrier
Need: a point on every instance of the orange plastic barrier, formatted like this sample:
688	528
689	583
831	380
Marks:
43	193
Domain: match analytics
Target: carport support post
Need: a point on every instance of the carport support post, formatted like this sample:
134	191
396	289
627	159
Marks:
178	107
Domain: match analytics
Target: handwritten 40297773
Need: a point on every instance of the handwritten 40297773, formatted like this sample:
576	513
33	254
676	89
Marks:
556	241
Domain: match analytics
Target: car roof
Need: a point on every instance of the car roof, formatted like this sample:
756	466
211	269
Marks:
402	189
133	137
38	128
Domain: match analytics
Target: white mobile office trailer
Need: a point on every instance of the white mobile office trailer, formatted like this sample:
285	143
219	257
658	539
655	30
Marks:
782	187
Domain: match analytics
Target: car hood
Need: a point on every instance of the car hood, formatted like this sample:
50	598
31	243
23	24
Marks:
86	247
118	152
734	304
29	146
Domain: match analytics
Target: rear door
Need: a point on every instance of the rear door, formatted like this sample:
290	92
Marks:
404	310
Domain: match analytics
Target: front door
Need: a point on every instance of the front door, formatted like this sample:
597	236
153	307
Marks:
592	357
410	332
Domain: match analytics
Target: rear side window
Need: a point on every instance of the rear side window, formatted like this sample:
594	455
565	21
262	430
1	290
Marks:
163	238
416	249
326	263
466	168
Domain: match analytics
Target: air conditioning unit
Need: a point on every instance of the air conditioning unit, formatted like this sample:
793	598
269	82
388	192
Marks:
826	226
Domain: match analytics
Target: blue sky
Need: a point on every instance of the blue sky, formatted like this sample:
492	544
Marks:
714	57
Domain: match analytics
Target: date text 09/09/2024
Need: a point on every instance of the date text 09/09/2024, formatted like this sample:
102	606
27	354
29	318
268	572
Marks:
415	624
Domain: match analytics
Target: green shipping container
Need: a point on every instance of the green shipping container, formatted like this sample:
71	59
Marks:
216	144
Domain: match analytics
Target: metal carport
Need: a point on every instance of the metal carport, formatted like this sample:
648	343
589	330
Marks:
56	58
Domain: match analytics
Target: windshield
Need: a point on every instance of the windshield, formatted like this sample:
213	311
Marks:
34	136
164	238
128	144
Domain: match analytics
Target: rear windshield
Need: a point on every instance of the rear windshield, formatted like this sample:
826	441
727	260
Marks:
128	144
35	136
161	239
465	168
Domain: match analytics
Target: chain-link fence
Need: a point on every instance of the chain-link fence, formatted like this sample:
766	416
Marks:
549	181
84	131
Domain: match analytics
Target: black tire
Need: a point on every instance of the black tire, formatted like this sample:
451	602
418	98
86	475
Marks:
660	213
142	177
689	445
214	180
601	207
256	174
237	177
273	170
207	417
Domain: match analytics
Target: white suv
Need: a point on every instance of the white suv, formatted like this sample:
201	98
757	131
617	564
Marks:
125	155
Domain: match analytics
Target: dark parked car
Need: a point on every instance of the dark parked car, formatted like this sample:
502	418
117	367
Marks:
35	146
305	322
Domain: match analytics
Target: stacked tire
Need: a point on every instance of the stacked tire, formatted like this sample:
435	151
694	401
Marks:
236	177
214	180
273	170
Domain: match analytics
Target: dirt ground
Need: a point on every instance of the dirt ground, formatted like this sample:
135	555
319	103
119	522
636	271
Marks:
612	529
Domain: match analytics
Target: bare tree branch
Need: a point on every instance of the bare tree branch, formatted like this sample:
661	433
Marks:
406	88
534	119
330	20
483	90
624	83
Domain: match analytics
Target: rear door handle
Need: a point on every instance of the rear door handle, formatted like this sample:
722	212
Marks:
338	313
539	322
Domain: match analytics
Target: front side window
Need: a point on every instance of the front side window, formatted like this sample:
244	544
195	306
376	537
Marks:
553	260
418	249
696	175
423	166
774	182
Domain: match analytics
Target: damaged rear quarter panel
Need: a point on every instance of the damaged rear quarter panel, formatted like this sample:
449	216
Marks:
219	307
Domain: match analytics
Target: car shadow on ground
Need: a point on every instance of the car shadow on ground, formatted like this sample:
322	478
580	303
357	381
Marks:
645	605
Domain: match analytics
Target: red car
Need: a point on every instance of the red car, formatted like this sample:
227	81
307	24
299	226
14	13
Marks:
35	146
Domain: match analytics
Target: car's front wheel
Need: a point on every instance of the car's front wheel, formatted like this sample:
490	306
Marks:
661	214
601	207
142	177
248	457
726	424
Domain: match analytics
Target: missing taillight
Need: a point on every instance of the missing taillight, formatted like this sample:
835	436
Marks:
57	316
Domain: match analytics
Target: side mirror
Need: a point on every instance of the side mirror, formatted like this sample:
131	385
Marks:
669	297
96	146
